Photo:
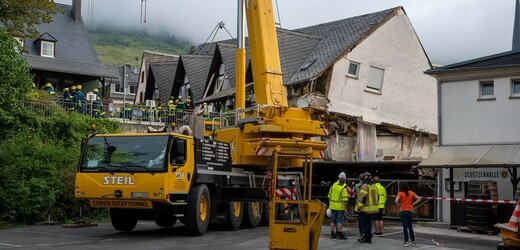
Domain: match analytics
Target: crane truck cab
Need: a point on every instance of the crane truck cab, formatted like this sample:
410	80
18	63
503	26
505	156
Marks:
165	177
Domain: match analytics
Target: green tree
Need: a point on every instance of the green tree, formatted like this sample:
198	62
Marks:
21	17
15	81
39	148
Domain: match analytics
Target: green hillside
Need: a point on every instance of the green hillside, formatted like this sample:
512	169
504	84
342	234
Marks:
124	46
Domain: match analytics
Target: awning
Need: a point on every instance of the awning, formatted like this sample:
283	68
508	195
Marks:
464	156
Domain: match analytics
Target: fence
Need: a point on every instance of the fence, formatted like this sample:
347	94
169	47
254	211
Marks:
138	114
131	114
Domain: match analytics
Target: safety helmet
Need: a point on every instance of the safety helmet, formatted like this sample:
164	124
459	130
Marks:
73	88
180	97
95	90
342	175
367	175
90	93
66	90
171	97
48	84
78	87
204	104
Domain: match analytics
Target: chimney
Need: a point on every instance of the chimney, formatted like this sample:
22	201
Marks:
516	28
76	10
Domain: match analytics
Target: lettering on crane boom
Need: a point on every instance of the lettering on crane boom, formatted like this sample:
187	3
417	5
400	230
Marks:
212	155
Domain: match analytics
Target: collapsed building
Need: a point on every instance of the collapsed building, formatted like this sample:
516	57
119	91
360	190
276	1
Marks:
363	76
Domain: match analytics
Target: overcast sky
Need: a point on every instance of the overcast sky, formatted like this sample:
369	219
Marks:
450	30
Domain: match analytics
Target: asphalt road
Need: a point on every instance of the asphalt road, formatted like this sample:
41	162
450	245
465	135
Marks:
148	236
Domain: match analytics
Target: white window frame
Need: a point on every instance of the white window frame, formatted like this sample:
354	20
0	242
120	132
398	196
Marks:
118	87
43	43
357	69
483	96
513	93
375	74
130	87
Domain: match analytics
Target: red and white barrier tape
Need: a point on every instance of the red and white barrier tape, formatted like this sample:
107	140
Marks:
466	199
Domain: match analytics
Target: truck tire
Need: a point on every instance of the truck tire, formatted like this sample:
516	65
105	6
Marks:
264	220
234	214
252	214
123	219
198	210
165	220
164	215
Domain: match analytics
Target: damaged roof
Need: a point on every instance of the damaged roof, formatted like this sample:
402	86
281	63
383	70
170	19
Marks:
305	53
337	38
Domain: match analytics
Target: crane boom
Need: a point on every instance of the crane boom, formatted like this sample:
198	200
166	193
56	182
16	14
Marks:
267	72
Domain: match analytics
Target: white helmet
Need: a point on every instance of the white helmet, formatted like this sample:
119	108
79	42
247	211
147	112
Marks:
342	175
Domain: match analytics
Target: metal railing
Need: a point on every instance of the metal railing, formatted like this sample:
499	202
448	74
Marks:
138	114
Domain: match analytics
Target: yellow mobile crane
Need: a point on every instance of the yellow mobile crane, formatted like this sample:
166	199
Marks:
200	180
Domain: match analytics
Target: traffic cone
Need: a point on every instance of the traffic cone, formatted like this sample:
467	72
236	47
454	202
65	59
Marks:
512	225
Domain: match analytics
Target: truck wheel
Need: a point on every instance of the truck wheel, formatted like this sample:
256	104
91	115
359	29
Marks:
234	215
165	220
252	214
198	210
123	219
264	220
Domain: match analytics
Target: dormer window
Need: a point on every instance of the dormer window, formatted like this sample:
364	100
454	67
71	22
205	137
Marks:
47	45
47	49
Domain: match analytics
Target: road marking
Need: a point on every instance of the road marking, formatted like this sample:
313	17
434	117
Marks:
9	245
438	244
391	233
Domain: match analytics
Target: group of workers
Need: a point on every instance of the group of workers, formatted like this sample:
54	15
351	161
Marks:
178	108
74	100
368	199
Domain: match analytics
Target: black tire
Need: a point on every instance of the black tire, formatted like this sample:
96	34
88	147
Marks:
234	214
166	220
123	219
265	215
252	214
198	210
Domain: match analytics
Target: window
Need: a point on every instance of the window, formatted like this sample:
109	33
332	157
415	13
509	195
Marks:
47	49
118	88
178	152
487	89
132	89
375	79
353	69
515	87
185	90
